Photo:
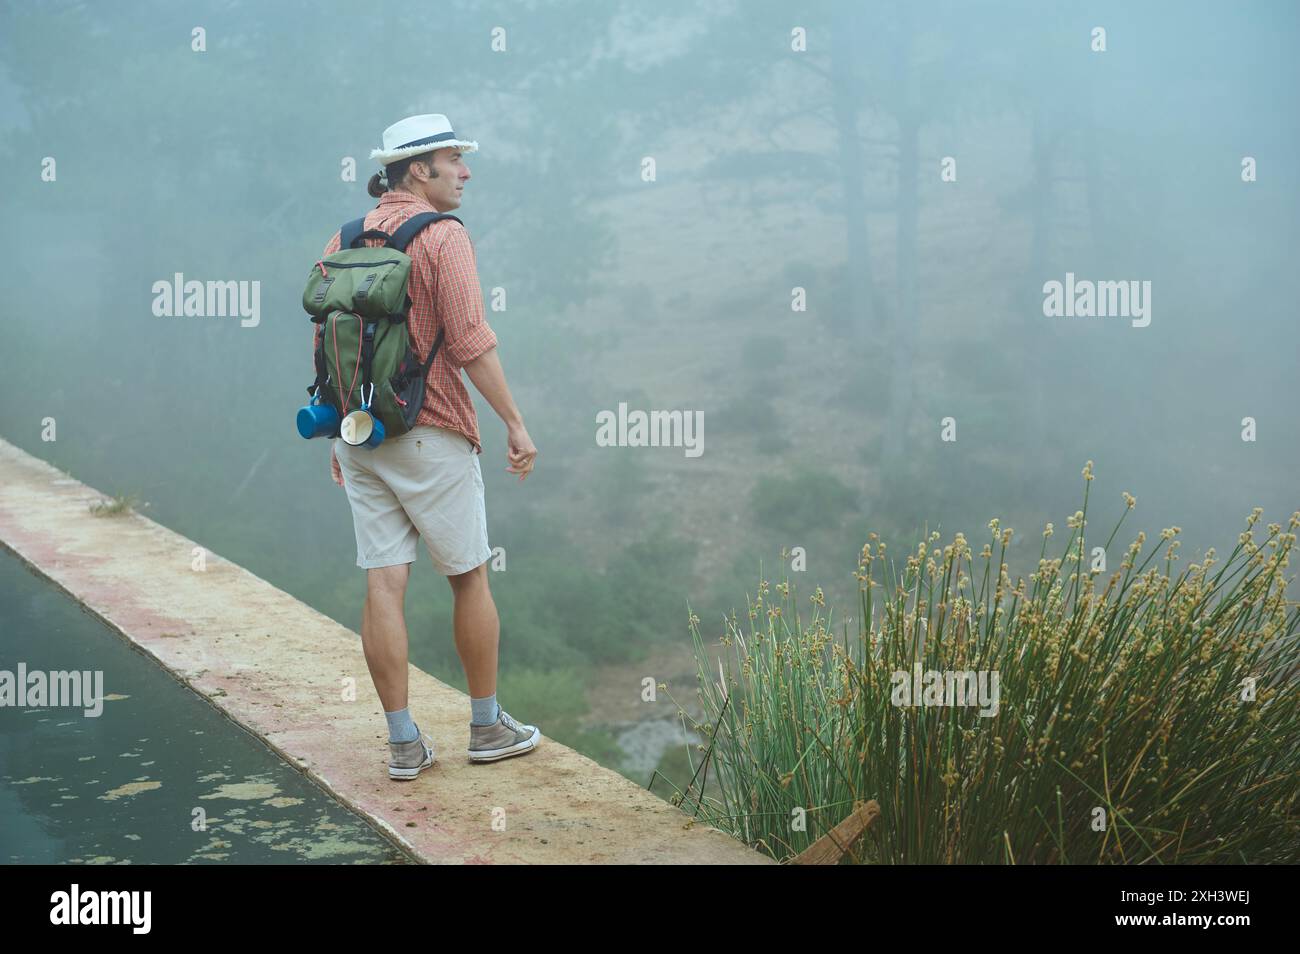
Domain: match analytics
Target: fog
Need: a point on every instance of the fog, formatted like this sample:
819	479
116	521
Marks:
827	234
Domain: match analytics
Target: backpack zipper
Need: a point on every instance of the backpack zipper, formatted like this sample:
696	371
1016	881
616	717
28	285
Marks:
391	261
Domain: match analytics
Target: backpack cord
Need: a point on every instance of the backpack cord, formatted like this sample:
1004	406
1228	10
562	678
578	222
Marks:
334	329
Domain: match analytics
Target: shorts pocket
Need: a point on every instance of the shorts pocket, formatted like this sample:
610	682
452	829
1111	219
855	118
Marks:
402	447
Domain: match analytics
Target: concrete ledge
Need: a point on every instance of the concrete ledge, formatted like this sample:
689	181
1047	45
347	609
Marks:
274	665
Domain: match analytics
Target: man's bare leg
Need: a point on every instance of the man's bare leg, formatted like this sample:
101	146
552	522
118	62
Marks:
383	633
477	630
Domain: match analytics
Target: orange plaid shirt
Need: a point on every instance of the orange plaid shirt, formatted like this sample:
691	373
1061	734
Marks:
442	257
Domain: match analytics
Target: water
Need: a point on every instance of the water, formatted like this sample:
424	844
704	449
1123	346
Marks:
159	776
645	743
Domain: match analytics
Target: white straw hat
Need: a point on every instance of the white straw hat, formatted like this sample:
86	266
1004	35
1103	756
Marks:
415	135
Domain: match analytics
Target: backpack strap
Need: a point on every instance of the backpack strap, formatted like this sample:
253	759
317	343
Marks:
369	233
351	231
314	389
367	356
412	227
432	351
407	231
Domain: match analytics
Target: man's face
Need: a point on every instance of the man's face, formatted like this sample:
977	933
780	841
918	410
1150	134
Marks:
444	193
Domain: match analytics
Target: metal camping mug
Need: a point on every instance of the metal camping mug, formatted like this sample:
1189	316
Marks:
318	420
362	429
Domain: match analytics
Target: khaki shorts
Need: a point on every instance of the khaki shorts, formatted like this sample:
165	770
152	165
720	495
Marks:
424	483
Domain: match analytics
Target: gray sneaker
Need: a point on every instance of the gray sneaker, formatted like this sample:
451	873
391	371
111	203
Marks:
408	759
501	739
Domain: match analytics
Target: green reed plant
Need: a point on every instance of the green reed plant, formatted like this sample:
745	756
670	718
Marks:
115	506
1155	721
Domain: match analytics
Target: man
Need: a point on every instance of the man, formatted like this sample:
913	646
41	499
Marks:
427	483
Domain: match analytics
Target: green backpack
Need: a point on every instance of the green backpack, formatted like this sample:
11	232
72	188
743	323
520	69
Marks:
359	298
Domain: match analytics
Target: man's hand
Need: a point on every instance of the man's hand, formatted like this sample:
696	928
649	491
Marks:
520	451
335	472
485	371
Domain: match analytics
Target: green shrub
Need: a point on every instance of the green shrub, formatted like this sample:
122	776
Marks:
556	697
116	506
802	503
